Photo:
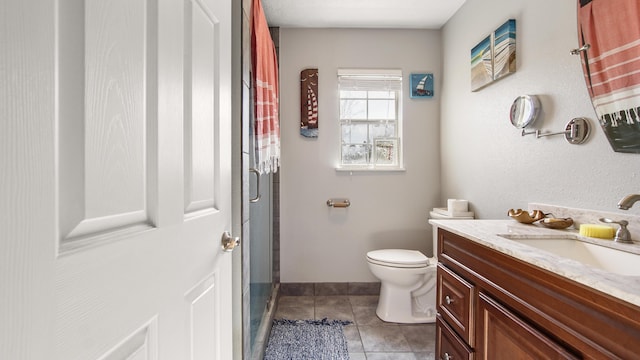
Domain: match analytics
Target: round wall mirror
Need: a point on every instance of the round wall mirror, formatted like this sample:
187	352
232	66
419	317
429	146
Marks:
524	111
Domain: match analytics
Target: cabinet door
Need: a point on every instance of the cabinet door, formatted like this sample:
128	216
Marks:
503	335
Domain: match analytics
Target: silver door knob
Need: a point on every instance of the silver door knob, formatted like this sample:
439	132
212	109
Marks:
228	242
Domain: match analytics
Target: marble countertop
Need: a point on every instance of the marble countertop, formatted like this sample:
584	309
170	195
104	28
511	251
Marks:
487	233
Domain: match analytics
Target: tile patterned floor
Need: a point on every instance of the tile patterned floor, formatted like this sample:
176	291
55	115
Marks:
368	337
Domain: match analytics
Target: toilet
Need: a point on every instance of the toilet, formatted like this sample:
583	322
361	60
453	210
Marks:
407	285
408	280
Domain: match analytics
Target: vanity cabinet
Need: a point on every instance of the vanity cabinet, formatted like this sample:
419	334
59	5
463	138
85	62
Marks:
494	306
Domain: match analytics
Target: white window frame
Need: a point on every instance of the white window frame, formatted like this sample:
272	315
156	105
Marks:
372	80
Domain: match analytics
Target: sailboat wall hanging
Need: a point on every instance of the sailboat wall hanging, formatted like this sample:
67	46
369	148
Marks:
421	86
609	36
309	103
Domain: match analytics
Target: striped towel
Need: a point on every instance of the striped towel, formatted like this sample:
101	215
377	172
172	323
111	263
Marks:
265	76
612	67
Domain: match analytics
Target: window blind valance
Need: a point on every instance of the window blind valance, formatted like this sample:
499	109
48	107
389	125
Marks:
370	80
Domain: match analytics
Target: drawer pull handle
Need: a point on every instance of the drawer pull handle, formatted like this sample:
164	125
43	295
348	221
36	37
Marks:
446	356
448	300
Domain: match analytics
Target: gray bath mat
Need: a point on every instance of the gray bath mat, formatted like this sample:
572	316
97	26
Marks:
307	340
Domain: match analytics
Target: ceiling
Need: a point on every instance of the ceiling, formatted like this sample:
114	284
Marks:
400	14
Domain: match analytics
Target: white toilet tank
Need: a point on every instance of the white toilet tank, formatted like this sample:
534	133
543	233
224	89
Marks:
435	214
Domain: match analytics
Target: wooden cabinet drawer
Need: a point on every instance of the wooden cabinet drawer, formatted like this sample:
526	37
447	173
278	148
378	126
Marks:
455	299
448	345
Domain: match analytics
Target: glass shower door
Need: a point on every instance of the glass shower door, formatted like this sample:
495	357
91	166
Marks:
260	250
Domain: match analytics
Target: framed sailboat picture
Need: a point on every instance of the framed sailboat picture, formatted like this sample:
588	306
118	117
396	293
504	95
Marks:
421	86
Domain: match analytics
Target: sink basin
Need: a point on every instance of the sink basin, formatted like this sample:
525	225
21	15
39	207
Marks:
571	247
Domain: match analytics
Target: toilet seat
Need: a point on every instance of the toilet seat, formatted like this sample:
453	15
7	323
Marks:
399	258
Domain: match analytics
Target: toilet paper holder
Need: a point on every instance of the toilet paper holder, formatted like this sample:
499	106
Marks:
338	203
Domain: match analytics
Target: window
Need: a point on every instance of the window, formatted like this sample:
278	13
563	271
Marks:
370	118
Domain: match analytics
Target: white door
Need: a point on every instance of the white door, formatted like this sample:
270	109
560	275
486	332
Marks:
115	160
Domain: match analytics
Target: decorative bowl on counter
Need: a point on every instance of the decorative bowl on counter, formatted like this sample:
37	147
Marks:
526	217
557	223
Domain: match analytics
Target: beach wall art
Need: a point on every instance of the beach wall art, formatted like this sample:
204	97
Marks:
494	57
481	64
421	86
309	103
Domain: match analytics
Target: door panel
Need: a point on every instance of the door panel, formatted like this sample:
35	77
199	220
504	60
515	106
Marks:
141	345
201	106
103	92
202	301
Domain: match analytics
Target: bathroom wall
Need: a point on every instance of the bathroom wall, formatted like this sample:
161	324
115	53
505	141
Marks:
388	209
484	159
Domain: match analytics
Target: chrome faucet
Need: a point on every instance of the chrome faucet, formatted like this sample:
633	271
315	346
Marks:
628	201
